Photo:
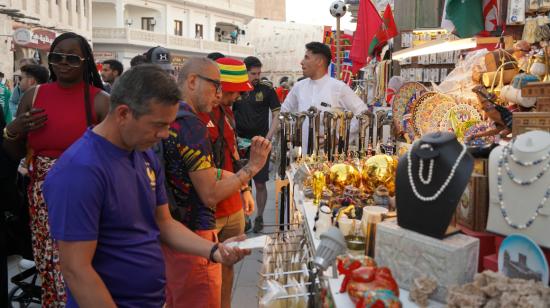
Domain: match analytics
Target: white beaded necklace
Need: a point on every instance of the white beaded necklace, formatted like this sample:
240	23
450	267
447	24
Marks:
430	174
502	163
430	168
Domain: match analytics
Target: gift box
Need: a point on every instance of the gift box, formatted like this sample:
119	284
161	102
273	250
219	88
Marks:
450	261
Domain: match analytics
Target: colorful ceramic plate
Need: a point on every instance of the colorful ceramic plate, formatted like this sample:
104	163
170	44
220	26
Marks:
520	257
430	111
417	106
403	97
459	118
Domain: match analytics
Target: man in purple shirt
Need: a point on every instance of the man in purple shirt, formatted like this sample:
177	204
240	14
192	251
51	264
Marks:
107	202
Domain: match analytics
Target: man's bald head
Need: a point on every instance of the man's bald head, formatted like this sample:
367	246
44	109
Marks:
195	65
197	81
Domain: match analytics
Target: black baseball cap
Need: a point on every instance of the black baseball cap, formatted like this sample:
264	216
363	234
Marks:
161	57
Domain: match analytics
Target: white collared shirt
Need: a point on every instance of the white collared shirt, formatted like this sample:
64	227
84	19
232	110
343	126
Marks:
331	92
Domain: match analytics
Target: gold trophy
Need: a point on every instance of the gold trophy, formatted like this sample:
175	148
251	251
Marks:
318	184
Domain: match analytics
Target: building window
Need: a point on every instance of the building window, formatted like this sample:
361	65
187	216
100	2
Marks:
78	6
198	31
85	4
178	27
148	23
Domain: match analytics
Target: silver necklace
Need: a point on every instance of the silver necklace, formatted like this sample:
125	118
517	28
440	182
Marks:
430	173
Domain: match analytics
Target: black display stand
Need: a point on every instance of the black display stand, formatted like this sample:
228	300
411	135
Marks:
432	217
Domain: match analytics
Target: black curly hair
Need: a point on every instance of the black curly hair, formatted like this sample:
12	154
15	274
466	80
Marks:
90	73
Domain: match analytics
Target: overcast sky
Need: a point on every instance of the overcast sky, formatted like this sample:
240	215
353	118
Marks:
315	12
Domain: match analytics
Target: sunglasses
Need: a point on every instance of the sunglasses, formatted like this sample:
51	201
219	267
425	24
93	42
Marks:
216	83
55	58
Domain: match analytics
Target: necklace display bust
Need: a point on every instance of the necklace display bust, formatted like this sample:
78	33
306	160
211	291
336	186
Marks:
430	181
519	187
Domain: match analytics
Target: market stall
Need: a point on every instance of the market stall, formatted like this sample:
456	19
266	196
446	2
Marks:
439	190
424	194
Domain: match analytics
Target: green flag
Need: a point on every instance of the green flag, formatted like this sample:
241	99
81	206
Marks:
466	16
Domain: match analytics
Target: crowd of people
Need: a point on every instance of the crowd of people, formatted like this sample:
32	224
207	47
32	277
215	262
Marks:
138	179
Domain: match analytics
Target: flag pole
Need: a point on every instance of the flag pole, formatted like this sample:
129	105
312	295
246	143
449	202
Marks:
338	62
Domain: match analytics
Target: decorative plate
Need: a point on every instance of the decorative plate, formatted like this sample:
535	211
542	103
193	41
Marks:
418	106
402	99
438	115
459	118
482	141
520	257
429	111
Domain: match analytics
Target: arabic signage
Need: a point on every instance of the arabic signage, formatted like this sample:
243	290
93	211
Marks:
100	56
34	38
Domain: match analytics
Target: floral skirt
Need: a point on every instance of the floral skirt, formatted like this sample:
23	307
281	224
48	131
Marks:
45	250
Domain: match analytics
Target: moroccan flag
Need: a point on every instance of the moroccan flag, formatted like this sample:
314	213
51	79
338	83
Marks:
463	17
368	23
387	30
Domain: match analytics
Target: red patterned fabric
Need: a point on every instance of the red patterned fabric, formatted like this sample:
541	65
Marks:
45	250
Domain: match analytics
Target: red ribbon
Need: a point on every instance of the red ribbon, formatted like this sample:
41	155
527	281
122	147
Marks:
347	272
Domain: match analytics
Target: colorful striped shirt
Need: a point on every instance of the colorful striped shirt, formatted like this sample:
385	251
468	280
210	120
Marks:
186	150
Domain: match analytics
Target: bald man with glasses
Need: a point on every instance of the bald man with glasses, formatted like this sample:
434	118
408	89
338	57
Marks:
197	185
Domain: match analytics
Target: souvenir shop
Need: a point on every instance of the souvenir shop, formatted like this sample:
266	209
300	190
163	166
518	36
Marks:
437	196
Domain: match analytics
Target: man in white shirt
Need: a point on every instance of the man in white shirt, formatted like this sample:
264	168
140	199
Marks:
321	90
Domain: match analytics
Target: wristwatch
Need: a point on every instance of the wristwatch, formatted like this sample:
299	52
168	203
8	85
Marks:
212	252
247	188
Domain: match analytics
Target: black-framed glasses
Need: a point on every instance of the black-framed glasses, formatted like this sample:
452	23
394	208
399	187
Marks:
72	60
216	83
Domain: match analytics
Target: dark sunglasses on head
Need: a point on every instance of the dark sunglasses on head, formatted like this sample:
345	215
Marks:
72	60
216	83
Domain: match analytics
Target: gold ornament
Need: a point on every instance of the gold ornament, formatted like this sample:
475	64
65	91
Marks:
379	170
342	175
318	184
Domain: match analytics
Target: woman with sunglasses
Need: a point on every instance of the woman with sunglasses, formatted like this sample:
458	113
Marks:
49	119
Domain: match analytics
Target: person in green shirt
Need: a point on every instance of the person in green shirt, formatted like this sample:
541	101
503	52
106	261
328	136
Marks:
5	95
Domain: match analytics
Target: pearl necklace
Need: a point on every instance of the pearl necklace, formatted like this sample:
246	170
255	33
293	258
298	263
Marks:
430	168
445	184
501	163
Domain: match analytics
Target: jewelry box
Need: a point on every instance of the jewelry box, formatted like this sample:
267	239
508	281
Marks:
528	121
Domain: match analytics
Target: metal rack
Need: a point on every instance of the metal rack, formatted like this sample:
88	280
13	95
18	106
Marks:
298	236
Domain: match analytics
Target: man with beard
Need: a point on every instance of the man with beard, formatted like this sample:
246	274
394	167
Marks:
110	71
252	118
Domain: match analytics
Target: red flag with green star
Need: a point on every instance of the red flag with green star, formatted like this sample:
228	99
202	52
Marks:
368	22
387	30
